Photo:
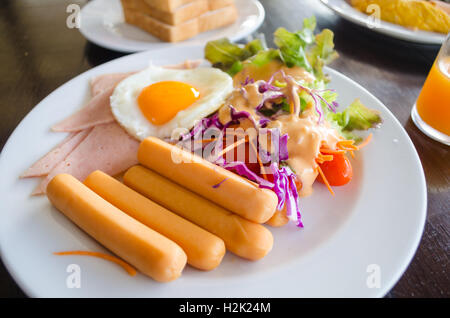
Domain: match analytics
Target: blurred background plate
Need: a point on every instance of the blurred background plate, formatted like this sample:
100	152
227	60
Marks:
102	23
346	11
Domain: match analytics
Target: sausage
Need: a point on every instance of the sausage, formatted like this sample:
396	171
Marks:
235	193
203	249
242	237
278	219
147	250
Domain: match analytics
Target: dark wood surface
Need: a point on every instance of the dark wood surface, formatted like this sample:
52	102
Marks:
38	53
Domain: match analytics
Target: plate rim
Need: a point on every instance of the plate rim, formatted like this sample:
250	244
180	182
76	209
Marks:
387	28
125	49
400	269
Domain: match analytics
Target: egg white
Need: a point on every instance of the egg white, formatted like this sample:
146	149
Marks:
213	84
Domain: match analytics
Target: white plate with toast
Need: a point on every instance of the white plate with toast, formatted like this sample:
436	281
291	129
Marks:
346	11
103	23
356	244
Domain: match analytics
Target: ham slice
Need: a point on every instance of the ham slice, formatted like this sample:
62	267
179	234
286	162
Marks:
107	148
104	82
96	112
188	64
44	165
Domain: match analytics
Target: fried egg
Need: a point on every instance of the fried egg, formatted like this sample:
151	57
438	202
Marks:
158	101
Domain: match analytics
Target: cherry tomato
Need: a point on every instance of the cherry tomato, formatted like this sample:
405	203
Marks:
338	171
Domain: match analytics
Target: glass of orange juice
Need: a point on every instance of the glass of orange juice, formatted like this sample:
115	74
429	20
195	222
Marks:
431	113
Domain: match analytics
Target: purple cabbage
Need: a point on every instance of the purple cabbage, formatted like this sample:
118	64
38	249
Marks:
286	190
241	169
269	92
219	184
264	87
315	96
283	150
263	122
283	154
247	81
201	126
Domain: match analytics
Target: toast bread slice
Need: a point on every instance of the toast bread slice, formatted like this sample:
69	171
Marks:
188	29
219	4
167	5
183	13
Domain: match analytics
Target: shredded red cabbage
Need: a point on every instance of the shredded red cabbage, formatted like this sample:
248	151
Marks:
314	93
201	126
263	122
247	81
283	150
286	190
219	184
284	179
268	91
264	86
241	169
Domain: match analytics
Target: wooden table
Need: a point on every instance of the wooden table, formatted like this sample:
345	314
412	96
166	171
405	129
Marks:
38	53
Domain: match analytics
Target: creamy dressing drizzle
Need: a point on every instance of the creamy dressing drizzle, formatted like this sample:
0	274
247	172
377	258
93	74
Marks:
306	134
306	137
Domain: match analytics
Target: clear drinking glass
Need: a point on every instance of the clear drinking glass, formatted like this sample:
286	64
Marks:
431	112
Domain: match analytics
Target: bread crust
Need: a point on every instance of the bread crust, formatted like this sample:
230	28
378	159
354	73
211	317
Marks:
181	14
185	30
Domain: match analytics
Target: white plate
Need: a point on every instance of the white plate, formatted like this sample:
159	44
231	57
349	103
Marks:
346	11
102	23
377	219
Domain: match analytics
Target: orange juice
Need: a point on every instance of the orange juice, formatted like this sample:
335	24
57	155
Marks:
433	104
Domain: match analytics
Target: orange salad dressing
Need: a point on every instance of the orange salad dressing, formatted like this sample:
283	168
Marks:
306	135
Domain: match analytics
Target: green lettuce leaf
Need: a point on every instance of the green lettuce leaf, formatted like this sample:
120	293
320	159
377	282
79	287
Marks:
293	45
229	56
354	117
322	52
264	57
301	48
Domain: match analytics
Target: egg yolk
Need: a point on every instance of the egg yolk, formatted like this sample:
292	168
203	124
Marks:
160	102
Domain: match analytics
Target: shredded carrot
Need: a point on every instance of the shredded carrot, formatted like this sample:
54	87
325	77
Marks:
322	158
232	146
345	142
130	270
331	152
206	140
325	180
346	147
342	146
366	141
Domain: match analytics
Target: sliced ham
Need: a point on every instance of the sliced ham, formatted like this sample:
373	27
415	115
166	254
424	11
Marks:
107	148
188	64
96	112
101	83
44	165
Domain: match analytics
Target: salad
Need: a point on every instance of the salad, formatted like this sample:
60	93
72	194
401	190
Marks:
282	127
